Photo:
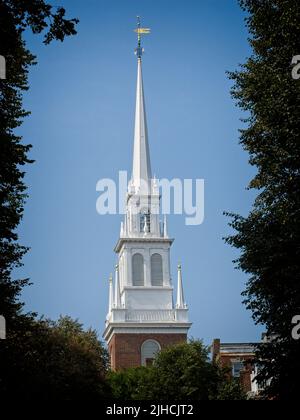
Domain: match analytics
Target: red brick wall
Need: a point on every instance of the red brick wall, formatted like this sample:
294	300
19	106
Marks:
245	376
125	349
245	379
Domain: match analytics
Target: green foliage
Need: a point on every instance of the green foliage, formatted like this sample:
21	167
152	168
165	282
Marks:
180	372
132	383
230	389
54	360
269	237
185	372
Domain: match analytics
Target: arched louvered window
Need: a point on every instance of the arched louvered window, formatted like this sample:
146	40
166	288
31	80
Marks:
149	350
145	218
156	270
137	270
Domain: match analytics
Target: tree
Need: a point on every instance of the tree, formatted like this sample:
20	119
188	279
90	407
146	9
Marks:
181	372
54	360
15	17
230	389
131	384
269	237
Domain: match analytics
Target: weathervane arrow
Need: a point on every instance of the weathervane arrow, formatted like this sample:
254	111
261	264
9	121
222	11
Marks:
140	31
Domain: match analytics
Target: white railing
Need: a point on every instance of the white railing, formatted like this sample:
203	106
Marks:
149	315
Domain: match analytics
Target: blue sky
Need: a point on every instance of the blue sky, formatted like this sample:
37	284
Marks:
82	95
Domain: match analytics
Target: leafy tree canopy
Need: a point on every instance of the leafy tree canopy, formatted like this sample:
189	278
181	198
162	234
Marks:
269	237
54	360
181	372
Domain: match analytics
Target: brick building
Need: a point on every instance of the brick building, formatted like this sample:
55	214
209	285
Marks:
142	318
238	358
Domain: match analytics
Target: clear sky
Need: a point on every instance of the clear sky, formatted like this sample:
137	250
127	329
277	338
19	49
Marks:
82	98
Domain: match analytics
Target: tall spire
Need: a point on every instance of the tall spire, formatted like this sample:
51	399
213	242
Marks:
141	171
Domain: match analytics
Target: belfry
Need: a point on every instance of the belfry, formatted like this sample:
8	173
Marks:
142	318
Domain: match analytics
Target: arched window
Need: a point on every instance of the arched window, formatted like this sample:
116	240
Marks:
145	218
156	270
137	270
149	350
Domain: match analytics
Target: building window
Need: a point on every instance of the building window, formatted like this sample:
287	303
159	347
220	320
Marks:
149	350
156	270
237	367
145	218
137	270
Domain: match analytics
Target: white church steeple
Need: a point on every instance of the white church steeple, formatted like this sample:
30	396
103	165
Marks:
143	292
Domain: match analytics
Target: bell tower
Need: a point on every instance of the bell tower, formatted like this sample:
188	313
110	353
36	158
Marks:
142	318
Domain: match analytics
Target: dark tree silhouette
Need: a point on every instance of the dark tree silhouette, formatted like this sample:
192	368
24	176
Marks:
269	237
